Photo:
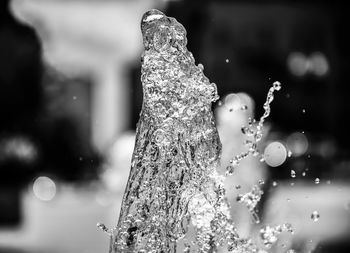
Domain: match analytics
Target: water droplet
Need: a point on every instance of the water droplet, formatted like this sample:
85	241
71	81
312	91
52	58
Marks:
187	248
106	229
229	170
315	216
269	235
292	173
250	200
254	131
74	97
274	183
227	60
292	184
317	180
102	226
303	174
304	111
277	85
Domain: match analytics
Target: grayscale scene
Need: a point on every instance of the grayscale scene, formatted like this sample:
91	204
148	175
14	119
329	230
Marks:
167	126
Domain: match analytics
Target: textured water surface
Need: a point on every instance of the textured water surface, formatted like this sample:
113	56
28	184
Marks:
175	200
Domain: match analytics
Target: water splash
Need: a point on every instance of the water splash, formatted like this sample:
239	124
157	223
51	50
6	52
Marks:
173	183
250	200
269	235
254	131
104	228
111	232
175	199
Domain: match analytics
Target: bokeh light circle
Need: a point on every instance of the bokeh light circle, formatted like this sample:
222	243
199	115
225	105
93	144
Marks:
297	143
232	102
319	63
298	64
44	188
275	154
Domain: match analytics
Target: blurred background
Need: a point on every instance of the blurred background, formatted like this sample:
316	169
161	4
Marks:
70	97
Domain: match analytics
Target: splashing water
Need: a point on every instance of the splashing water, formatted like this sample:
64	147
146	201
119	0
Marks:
250	200
254	131
269	235
173	183
103	228
110	232
175	199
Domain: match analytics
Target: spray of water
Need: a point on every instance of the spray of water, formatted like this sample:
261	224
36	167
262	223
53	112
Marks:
175	200
254	132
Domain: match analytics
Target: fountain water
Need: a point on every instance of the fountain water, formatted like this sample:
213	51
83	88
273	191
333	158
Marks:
175	200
